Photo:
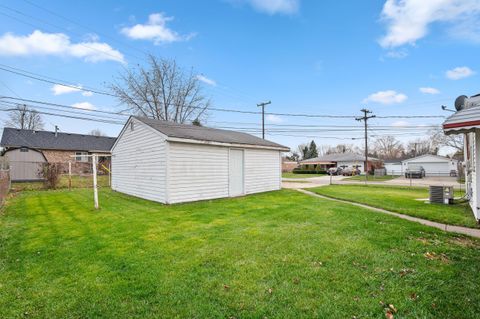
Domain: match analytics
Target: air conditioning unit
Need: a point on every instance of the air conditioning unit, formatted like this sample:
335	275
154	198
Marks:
441	194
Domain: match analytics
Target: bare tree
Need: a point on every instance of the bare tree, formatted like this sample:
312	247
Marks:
24	118
162	91
422	146
388	147
454	141
97	132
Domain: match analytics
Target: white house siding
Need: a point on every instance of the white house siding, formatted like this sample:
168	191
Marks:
394	168
262	170
139	163
197	172
472	171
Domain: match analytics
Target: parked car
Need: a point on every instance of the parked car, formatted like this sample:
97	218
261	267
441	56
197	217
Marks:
350	171
334	171
415	171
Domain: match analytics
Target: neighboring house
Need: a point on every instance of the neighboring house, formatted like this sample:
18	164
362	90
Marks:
466	121
172	163
343	160
434	165
288	166
27	150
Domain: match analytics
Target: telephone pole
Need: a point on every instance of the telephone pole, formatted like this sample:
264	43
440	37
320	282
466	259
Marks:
365	119
263	116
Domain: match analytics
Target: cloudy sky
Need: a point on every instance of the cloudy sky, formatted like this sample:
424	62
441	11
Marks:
311	57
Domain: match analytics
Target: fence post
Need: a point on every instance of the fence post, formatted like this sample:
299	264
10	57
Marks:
110	174
95	191
69	175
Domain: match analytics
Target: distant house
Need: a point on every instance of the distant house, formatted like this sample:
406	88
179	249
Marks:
26	150
434	165
466	121
343	160
172	163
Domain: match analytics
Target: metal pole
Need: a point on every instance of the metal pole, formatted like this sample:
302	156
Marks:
69	175
95	190
263	116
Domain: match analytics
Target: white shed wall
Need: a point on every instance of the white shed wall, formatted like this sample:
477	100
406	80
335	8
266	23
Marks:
262	170
139	163
197	172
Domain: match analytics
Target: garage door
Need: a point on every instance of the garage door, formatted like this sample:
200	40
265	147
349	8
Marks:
436	169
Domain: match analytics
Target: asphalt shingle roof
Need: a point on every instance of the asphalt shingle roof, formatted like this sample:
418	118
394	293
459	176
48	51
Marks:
13	137
202	133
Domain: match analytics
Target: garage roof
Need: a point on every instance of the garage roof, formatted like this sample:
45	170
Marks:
13	137
202	133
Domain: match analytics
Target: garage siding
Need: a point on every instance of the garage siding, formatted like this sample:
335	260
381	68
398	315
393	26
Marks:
197	172
139	163
262	170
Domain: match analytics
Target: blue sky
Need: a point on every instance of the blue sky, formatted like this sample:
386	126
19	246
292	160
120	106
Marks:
318	57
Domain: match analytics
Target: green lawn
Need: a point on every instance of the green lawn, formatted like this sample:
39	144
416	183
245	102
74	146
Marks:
274	255
77	182
370	178
293	175
402	200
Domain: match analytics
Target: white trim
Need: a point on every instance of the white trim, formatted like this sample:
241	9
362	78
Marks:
233	145
167	172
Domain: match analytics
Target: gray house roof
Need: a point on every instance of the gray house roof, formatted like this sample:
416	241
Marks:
44	140
339	157
202	133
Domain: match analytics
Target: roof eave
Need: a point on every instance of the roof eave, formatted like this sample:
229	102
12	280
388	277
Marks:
195	141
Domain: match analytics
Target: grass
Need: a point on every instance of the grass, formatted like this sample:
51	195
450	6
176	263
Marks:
77	182
371	178
294	175
277	255
402	200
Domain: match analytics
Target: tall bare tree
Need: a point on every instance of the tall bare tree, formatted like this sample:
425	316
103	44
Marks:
162	90
454	141
388	147
422	146
24	118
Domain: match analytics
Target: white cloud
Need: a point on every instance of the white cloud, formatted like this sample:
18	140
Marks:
428	90
57	44
459	73
400	123
397	54
408	20
386	97
276	6
206	80
59	89
84	106
156	30
274	118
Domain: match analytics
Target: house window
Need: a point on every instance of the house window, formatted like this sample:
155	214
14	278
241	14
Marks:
23	149
81	156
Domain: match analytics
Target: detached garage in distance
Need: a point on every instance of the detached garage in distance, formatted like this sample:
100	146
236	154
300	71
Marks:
434	165
172	163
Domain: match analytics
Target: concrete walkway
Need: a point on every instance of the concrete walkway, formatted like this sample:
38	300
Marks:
448	228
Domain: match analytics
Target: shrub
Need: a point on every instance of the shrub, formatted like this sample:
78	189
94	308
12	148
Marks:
51	175
307	171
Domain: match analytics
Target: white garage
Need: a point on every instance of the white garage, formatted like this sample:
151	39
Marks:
434	165
172	163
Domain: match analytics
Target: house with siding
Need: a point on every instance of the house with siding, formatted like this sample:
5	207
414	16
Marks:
466	122
343	160
172	163
27	150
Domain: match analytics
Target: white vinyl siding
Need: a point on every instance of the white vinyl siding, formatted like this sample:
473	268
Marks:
262	170
139	163
197	172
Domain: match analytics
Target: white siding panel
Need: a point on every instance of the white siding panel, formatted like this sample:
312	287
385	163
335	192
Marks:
262	170
139	163
197	172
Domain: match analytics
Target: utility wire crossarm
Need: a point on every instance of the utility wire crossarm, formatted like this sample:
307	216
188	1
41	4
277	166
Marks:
262	105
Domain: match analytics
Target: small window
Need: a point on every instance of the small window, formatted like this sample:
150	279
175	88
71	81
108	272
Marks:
81	156
23	149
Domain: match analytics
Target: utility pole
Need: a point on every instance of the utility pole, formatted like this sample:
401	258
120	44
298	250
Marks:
263	116
365	119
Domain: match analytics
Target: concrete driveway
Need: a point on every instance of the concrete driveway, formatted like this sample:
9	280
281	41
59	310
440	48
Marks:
400	181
